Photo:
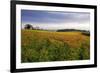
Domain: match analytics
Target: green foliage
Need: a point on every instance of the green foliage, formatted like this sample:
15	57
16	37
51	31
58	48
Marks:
84	51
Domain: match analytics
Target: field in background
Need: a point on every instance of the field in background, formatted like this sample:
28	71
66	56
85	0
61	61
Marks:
41	46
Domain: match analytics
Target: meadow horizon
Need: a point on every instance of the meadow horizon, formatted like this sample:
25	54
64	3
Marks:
38	45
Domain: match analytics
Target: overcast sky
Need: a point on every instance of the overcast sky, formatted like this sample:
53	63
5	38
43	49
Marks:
53	20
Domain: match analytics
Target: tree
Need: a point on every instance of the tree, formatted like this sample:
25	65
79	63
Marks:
28	26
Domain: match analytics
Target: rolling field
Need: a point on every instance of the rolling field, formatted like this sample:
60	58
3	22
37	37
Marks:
41	46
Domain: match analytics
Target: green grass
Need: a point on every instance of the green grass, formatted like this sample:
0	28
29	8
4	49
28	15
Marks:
41	46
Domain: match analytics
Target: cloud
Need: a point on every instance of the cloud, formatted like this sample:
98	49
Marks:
55	19
34	16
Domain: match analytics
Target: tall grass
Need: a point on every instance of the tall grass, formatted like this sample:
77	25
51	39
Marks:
46	46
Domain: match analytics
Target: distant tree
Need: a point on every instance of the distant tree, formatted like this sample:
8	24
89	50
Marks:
28	26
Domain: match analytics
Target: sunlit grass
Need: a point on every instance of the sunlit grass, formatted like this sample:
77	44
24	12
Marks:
40	46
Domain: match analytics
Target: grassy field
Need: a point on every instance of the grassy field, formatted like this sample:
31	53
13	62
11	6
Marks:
41	46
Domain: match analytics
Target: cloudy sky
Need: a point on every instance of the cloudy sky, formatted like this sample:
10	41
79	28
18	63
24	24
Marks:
53	20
